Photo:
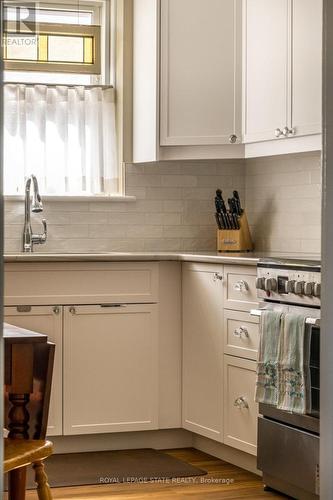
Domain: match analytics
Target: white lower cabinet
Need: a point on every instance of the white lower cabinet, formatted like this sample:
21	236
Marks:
240	408
110	368
203	349
46	320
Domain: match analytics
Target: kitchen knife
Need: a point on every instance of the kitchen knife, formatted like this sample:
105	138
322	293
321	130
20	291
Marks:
234	212
239	205
219	216
218	221
221	209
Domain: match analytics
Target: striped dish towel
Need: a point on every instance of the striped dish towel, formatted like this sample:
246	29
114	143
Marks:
267	385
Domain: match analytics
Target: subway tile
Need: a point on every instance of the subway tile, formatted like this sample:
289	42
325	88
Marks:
179	180
108	231
140	180
88	218
163	244
164	193
144	231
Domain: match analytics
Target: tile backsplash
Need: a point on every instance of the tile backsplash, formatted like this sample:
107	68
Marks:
173	211
283	201
174	208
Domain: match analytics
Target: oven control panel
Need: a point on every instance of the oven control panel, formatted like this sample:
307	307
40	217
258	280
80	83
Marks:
286	285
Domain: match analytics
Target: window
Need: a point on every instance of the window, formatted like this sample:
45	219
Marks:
59	106
52	47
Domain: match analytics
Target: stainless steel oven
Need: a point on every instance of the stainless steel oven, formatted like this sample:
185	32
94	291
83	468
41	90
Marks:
288	444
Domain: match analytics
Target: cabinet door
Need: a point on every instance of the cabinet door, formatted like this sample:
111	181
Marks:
240	409
266	71
46	320
307	66
203	349
110	368
200	71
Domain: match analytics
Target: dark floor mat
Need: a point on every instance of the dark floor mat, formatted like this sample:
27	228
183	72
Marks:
110	467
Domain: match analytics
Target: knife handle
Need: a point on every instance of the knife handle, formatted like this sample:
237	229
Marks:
218	221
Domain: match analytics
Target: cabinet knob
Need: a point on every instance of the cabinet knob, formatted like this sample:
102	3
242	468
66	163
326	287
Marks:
241	402
233	139
56	310
72	310
217	277
287	132
278	132
239	332
241	286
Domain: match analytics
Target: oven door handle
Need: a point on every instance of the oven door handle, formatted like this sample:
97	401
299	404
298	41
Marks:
308	321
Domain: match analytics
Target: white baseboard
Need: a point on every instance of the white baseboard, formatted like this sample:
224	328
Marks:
163	439
226	453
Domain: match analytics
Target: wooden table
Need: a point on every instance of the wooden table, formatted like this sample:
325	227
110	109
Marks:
20	355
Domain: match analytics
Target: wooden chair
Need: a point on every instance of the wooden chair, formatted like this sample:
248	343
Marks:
26	416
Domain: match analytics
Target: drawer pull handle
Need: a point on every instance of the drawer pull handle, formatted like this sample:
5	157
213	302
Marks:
72	310
23	309
241	286
113	305
56	310
239	332
217	277
241	402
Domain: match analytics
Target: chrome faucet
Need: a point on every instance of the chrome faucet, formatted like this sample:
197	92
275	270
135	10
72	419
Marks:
35	206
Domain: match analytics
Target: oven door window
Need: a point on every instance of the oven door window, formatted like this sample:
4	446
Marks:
315	369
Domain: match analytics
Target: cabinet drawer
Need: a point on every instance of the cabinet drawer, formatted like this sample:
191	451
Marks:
240	409
240	288
241	334
81	283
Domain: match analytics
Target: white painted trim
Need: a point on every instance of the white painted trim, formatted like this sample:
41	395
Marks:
231	151
326	337
284	146
105	199
226	453
163	439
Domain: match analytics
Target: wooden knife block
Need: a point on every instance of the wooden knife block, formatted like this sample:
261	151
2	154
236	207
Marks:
235	240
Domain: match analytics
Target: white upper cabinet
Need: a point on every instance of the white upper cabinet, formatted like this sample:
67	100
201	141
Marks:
187	81
200	72
282	69
307	67
226	78
265	68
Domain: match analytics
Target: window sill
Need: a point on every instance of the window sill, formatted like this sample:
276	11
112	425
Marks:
110	199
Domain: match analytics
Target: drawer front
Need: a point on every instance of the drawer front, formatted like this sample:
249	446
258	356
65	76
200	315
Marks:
81	283
289	455
241	334
240	409
240	288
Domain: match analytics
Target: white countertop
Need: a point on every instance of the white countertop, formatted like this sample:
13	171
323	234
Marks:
250	258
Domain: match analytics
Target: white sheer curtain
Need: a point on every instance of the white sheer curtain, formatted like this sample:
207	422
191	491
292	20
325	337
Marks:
66	136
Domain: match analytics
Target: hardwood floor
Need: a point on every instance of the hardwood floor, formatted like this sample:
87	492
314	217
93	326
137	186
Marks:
244	485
